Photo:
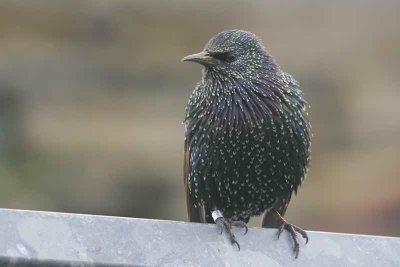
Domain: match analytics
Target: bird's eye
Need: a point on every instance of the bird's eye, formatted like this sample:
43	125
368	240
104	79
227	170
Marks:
224	56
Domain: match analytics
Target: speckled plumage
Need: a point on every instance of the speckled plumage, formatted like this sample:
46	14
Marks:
247	144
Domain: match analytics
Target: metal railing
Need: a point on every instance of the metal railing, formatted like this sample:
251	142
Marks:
34	238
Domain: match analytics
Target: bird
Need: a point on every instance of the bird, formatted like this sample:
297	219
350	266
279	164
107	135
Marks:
247	137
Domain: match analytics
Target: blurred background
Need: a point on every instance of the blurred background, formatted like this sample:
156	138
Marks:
92	96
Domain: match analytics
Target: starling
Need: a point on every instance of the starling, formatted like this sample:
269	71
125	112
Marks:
247	140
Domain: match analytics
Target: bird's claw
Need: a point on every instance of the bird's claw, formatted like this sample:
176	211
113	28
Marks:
293	229
227	224
241	224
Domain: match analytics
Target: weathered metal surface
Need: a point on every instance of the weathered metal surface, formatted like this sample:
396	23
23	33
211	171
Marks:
33	238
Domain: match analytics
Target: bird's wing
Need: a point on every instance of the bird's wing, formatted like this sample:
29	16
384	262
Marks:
195	214
269	220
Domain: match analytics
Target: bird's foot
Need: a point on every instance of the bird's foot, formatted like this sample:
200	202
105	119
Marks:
226	223
293	230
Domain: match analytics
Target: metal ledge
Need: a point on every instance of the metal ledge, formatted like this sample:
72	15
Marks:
34	238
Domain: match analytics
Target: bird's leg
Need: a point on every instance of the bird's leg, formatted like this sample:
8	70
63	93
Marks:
226	223
292	229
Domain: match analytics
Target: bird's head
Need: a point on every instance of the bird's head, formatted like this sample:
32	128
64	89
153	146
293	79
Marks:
234	53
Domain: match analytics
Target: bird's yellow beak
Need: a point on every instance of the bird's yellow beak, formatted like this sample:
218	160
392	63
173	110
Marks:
203	58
